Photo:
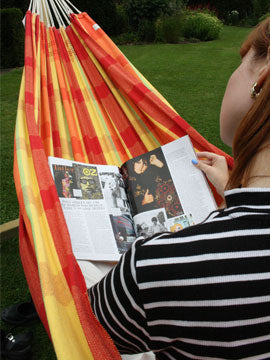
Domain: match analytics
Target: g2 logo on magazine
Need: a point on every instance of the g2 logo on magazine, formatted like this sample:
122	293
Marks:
89	172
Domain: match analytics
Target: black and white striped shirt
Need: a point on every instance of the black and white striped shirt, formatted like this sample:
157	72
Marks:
201	293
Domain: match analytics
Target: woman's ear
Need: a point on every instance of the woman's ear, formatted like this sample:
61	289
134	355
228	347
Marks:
264	71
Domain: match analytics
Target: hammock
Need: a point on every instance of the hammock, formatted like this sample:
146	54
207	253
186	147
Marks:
80	99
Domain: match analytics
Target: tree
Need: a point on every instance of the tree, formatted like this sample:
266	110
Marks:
223	8
102	11
139	11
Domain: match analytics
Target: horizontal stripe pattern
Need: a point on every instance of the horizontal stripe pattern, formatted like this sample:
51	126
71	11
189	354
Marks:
201	293
202	281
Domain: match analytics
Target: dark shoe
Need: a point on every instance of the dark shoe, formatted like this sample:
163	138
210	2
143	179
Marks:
16	347
19	314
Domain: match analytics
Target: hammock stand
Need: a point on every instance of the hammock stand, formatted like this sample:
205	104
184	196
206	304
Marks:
80	99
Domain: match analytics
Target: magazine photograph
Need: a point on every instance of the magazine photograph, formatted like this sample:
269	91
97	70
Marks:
150	185
64	180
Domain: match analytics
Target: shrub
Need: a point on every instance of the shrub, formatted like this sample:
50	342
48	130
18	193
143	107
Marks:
260	8
233	18
146	30
202	26
139	10
12	38
122	18
18	4
126	38
264	17
224	7
168	29
205	8
175	7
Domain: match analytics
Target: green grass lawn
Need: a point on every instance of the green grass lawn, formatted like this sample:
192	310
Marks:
192	77
10	84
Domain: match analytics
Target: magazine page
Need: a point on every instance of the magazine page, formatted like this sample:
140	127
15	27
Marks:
166	192
95	207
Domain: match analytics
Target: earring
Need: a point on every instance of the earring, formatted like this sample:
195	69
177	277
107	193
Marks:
255	91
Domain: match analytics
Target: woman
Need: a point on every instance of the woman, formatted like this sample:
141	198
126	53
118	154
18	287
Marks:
66	182
204	292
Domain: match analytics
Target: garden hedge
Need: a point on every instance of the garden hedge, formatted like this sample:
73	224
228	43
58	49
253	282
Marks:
12	38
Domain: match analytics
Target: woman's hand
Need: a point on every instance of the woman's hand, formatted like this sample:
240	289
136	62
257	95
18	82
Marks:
215	168
155	161
148	198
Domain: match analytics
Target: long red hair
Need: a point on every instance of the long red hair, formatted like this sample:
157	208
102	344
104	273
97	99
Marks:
254	129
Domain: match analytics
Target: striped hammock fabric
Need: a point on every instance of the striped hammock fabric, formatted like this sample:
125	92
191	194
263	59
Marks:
80	99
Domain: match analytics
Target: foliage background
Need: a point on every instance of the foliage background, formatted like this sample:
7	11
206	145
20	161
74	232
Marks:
140	21
12	38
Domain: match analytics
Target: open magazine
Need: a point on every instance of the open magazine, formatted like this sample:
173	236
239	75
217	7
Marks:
106	208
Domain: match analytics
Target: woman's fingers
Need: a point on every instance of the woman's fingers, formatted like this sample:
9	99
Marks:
206	162
206	154
215	168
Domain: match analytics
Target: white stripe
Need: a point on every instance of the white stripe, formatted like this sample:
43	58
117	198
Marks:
258	357
93	302
217	219
196	357
239	214
225	344
221	235
256	207
224	216
244	190
228	217
209	303
168	355
134	305
134	275
211	324
204	257
204	281
108	324
121	309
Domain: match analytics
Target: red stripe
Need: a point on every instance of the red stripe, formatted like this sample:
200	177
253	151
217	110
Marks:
35	142
79	96
107	61
102	91
56	138
28	61
49	197
72	272
29	98
92	145
50	89
138	92
130	137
